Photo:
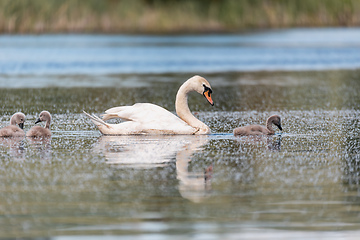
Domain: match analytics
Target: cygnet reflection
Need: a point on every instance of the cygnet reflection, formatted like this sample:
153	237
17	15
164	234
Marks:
41	143
273	143
14	146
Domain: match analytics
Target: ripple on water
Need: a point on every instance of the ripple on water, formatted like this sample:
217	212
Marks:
304	180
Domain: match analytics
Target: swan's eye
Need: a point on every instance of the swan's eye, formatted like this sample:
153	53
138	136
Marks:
207	94
207	89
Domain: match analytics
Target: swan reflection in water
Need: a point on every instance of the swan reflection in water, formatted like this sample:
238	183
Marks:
158	151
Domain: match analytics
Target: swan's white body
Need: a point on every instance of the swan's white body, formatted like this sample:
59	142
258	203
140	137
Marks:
147	118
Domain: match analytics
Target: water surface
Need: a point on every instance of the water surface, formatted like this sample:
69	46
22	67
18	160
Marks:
294	49
301	183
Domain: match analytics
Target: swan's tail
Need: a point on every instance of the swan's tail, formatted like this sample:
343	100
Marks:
96	120
107	116
123	112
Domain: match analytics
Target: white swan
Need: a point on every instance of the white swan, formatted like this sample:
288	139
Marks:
147	118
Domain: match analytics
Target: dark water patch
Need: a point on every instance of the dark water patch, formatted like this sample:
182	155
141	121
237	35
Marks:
231	92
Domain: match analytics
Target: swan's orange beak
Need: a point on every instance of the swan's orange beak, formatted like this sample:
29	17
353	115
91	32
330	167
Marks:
207	95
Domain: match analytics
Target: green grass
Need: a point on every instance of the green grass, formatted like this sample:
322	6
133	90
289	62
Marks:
172	16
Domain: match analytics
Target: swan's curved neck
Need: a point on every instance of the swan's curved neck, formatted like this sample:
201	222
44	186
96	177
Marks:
183	111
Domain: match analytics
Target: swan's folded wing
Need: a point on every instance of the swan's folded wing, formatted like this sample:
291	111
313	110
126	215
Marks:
124	112
139	112
150	118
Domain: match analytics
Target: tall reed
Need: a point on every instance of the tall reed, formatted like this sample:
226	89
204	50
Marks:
172	16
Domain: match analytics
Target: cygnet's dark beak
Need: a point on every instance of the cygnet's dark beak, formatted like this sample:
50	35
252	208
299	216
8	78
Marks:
37	121
279	126
21	125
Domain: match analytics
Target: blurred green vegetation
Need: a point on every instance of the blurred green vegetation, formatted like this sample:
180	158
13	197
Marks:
172	16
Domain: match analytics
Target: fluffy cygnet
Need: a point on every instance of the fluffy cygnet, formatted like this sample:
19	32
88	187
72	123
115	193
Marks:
260	130
38	131
15	129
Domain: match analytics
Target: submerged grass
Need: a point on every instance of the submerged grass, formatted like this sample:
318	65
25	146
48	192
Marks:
172	16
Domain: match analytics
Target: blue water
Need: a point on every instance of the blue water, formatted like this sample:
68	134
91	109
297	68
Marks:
290	50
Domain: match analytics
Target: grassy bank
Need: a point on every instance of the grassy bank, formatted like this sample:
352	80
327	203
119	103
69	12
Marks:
172	16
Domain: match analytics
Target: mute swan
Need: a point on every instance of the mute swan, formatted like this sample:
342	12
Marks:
260	130
37	131
147	118
13	130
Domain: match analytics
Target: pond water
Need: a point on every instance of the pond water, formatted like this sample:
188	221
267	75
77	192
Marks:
303	182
